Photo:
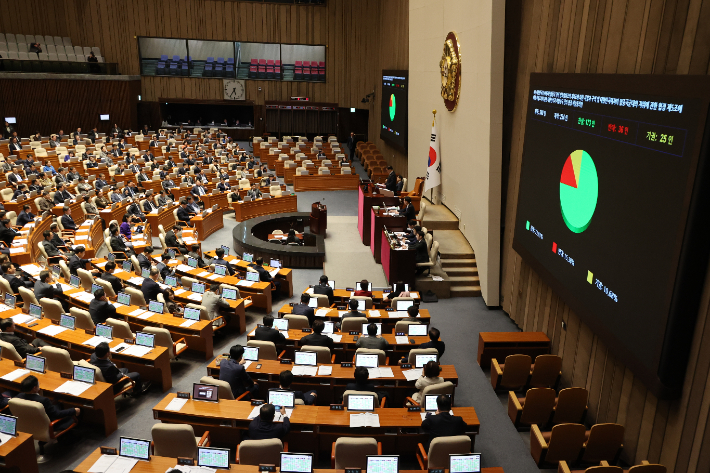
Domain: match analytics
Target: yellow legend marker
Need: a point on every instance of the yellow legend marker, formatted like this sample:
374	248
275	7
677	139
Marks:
590	277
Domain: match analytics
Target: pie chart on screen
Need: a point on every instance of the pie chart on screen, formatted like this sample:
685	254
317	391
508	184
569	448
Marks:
579	190
393	107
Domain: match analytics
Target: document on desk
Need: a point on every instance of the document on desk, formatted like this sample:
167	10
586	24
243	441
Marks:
398	314
22	319
309	290
184	268
81	237
146	315
136	312
245	283
65	287
176	404
188	323
325	370
94	341
412	375
193	469
113	464
203	274
400	340
374	313
423	414
4	307
52	330
336	338
136	350
381	372
274	272
366	419
75	388
101	265
4	438
13	375
31	269
304	370
322	312
136	280
180	291
195	297
213	276
123	345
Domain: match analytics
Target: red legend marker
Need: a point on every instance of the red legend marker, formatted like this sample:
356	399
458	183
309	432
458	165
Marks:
554	247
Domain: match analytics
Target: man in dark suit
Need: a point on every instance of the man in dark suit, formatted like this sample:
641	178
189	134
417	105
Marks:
101	358
232	370
100	182
351	145
323	288
117	243
7	131
219	252
285	381
148	206
421	255
14	178
108	276
172	240
361	383
303	309
7	234
143	260
198	191
267	333
317	339
100	308
21	346
25	216
183	214
43	288
29	388
400	184
61	195
264	275
77	261
56	239
408	210
443	424
352	305
263	427
150	287
434	341
16	280
391	182
67	220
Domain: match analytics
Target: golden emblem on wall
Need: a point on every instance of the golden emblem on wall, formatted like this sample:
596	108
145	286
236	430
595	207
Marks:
450	67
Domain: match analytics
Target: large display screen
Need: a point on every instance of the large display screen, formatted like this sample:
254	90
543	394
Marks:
610	185
393	111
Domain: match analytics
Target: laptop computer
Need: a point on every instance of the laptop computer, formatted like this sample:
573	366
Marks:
134	448
248	257
361	402
217	458
382	464
123	298
358	287
67	321
155	306
35	311
104	331
313	302
145	273
205	392
417	330
220	269
430	402
8	425
10	300
281	324
226	250
35	363
192	262
421	360
198	287
379	328
127	266
305	358
191	313
404	305
95	287
251	276
275	263
329	327
171	281
296	462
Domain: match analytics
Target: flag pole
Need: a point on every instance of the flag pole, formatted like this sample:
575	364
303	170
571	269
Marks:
431	196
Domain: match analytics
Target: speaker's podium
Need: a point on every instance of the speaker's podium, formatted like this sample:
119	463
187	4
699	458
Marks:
319	218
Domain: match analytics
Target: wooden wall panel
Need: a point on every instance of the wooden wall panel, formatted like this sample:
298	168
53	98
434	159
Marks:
606	36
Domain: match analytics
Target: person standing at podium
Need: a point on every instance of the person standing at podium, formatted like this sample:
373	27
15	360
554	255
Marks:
391	182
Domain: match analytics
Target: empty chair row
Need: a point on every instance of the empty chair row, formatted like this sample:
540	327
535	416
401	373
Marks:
265	72
21	38
308	73
76	50
319	64
265	62
218	70
48	57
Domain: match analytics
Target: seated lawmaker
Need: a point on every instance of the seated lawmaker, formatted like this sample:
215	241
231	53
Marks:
363	292
268	333
303	309
362	381
408	209
430	376
25	217
317	339
434	342
263	426
352	305
101	358
67	220
442	423
264	275
21	346
232	370
29	391
372	340
285	381
150	287
77	261
100	308
421	255
219	252
413	314
108	276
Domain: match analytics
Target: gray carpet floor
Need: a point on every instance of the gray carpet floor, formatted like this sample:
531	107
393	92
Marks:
459	319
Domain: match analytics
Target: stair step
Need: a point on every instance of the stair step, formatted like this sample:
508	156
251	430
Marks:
458	256
465	291
461	271
453	262
463	280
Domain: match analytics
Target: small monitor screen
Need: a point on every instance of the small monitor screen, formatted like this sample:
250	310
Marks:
361	402
67	321
275	263
430	402
226	250
11	120
220	269
230	294
191	313
204	392
404	305
9	300
296	462
213	457
281	324
359	287
124	298
331	284
111	257
134	448
145	273
145	339
248	257
360	304
95	287
313	302
56	270
155	306
421	360
417	330
251	353
171	281
8	425
251	276
368	360
192	262
105	331
198	287
282	398
35	363
309	358
382	464
171	253
402	287
84	374
127	266
35	311
364	328
103	117
329	327
466	463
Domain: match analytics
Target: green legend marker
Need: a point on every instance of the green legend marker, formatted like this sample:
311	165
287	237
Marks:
590	277
527	225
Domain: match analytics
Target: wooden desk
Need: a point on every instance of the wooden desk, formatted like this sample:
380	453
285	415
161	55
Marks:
98	407
285	275
364	205
501	344
388	319
166	218
398	264
378	221
216	199
76	213
256	208
207	225
108	214
331	182
313	428
17	455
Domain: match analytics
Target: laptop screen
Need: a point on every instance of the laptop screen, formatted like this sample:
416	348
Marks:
134	448
278	397
309	358
127	266
296	462
205	392
35	311
361	402
105	331
379	328
331	284
84	374
220	269
382	464
123	298
35	363
275	263
404	305
145	273
368	287
421	360
230	294
226	250
417	330
368	360
155	306
111	257
402	287
8	424
145	339
248	257
329	327
191	313
198	287
251	353
430	402
213	457
465	463
281	324
171	253
313	302
192	262
171	281
56	270
9	300
95	287
252	276
360	304
67	321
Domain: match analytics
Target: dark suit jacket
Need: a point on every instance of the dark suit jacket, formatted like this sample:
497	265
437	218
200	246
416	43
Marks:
230	268
172	241
303	309
317	340
143	261
68	223
269	334
196	190
236	375
53	412
409	212
260	430
443	425
421	255
150	289
324	289
183	215
101	310
439	345
110	372
113	280
42	289
117	244
148	206
360	387
22	347
14	178
391	182
76	263
57	241
7	235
